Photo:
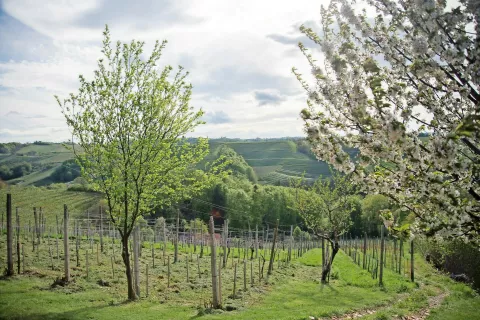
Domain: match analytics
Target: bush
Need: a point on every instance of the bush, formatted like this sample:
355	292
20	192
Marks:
7	173
22	169
68	171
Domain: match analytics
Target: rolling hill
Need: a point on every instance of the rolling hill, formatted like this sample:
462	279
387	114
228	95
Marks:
274	161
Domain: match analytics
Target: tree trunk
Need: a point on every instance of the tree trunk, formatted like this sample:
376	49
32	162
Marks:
272	253
128	270
65	244
328	265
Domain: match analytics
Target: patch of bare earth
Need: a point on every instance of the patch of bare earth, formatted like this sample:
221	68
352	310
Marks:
433	302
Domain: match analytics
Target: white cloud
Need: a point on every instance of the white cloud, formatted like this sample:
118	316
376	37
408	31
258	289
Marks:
227	47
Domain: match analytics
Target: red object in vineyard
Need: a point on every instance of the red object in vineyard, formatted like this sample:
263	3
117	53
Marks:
216	214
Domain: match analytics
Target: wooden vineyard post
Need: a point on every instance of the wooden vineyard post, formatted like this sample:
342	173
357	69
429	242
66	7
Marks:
272	252
101	228
234	280
412	272
382	249
23	259
213	255
164	241
9	236
175	256
146	286
198	267
18	239
188	275
113	268
36	234
256	241
86	261
195	235
77	242
244	275
168	272
65	244
40	220
153	255
50	253
251	273
400	253
56	244
201	241
365	251
259	272
224	238
394	257
290	244
220	299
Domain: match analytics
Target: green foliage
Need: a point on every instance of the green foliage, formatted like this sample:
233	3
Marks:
236	164
372	205
68	171
326	206
10	147
130	122
15	171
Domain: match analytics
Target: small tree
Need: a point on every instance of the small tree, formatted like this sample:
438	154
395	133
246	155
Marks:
129	125
325	208
402	88
372	205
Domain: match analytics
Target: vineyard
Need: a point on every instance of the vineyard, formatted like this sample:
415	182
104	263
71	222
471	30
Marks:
179	285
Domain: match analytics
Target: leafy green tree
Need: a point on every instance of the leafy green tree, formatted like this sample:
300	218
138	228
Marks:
130	123
238	204
68	171
297	232
5	172
372	206
325	208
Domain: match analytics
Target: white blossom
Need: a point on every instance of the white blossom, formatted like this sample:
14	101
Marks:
373	107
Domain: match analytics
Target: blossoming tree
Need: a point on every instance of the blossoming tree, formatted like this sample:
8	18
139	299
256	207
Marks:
325	207
391	71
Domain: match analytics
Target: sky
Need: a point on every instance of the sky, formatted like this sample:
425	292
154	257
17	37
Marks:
239	55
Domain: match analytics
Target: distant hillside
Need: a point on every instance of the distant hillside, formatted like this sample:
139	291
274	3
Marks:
275	161
43	157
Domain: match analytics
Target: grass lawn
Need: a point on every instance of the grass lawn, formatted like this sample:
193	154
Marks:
291	292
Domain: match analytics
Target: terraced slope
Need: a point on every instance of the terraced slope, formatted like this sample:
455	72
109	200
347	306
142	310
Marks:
276	162
51	201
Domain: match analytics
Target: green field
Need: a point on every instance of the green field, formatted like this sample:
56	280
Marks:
293	290
43	158
51	201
